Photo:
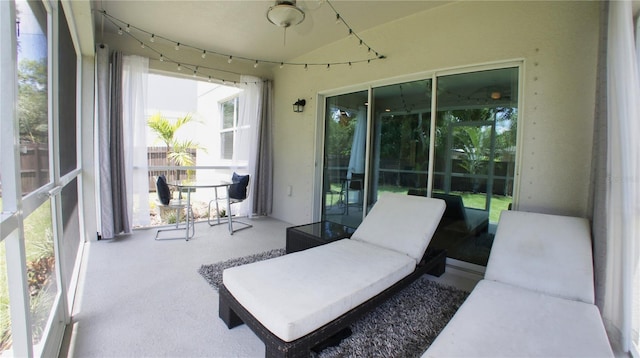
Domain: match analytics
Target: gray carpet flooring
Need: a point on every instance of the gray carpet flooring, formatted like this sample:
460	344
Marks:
403	326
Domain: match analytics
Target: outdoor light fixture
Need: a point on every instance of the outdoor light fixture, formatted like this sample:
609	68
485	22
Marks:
299	105
285	13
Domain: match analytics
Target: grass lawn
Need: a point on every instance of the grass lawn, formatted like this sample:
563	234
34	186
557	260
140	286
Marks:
470	200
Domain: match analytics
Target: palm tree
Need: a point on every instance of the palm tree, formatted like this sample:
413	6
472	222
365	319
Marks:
475	143
177	152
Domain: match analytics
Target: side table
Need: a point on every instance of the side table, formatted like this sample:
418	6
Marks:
302	237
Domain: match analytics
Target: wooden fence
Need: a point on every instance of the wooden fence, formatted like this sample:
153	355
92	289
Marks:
34	164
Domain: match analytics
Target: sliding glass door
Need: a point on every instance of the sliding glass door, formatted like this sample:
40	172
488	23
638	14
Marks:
344	158
457	143
474	158
400	130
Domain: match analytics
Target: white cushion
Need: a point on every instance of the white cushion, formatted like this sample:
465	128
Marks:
546	253
500	320
295	294
403	223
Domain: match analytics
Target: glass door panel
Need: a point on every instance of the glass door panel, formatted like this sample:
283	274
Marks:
474	158
401	134
344	158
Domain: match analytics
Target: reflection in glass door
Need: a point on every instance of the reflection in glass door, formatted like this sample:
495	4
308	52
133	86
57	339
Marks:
401	135
464	153
344	158
474	158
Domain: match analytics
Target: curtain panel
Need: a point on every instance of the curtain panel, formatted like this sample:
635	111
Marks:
616	194
254	144
120	97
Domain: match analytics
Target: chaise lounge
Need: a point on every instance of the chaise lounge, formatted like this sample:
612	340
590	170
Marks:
537	297
298	301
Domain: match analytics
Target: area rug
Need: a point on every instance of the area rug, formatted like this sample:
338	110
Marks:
403	326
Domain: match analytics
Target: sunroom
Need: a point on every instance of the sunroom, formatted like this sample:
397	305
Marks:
492	105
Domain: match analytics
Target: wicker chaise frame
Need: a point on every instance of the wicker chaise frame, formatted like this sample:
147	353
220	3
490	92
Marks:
234	314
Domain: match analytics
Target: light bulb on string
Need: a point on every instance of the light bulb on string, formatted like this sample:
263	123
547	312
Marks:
255	65
161	58
153	38
141	44
281	64
204	53
128	29
177	46
230	59
120	32
179	67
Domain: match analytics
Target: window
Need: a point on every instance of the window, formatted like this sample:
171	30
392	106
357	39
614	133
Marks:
229	123
40	233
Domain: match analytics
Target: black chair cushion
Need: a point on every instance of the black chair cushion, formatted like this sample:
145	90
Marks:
164	195
238	190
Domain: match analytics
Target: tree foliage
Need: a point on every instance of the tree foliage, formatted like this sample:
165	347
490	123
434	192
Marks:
178	151
32	103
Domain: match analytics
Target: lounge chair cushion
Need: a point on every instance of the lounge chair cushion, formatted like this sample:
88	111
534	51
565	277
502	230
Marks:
403	223
546	253
500	320
295	294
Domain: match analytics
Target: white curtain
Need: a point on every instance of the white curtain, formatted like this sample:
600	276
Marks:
623	165
120	96
134	92
356	160
245	146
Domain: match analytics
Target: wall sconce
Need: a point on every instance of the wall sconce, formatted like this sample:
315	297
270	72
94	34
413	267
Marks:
299	105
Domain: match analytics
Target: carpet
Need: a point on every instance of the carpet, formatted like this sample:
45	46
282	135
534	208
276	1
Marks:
403	326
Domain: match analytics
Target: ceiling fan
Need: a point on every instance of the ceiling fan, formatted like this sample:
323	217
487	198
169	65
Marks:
285	13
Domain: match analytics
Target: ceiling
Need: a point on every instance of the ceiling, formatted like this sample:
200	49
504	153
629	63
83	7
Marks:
240	28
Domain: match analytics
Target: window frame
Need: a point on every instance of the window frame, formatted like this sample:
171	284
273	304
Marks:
233	129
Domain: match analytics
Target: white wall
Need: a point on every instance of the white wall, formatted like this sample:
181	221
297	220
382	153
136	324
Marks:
557	42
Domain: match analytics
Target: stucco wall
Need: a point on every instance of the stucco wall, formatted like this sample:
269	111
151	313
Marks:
557	42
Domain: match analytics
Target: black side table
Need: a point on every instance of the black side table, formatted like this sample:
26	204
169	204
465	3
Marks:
306	236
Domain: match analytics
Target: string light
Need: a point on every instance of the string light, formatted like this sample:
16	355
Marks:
256	62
